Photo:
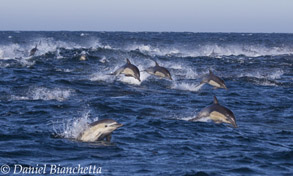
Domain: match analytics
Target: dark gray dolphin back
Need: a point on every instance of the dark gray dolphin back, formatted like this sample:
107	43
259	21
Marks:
33	51
102	121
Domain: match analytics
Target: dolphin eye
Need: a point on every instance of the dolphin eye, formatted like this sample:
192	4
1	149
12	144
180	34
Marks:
106	125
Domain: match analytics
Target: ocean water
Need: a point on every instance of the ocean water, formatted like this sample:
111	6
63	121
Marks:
48	99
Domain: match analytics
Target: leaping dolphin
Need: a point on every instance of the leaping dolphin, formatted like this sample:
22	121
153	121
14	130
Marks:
128	70
99	130
159	71
213	80
33	51
217	113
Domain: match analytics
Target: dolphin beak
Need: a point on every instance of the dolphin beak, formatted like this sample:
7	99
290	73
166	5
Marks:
117	125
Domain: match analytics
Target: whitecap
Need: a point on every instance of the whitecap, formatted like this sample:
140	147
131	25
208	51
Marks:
194	87
102	77
272	75
42	93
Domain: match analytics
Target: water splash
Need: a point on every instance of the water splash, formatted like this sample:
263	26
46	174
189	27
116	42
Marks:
194	87
211	50
74	127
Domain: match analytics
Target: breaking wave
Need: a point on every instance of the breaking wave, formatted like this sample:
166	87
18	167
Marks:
42	93
212	50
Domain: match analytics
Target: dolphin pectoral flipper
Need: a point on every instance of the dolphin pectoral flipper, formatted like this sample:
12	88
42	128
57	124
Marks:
108	138
118	71
194	119
201	83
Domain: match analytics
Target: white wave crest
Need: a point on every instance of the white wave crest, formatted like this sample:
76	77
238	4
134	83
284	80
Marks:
50	94
102	77
211	50
42	93
272	75
45	45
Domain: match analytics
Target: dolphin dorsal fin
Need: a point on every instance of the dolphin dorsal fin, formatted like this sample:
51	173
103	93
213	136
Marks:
156	63
210	71
127	60
215	100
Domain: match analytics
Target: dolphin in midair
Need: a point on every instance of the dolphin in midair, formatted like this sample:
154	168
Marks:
33	51
99	130
213	80
217	113
128	70
159	71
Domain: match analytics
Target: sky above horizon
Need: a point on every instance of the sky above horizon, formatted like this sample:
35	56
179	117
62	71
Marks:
148	15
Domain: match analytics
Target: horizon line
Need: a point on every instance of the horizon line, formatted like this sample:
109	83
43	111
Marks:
124	31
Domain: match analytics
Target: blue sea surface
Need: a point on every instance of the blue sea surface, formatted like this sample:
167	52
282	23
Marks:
47	100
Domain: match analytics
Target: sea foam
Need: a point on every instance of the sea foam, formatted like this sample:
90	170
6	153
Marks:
43	93
72	128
